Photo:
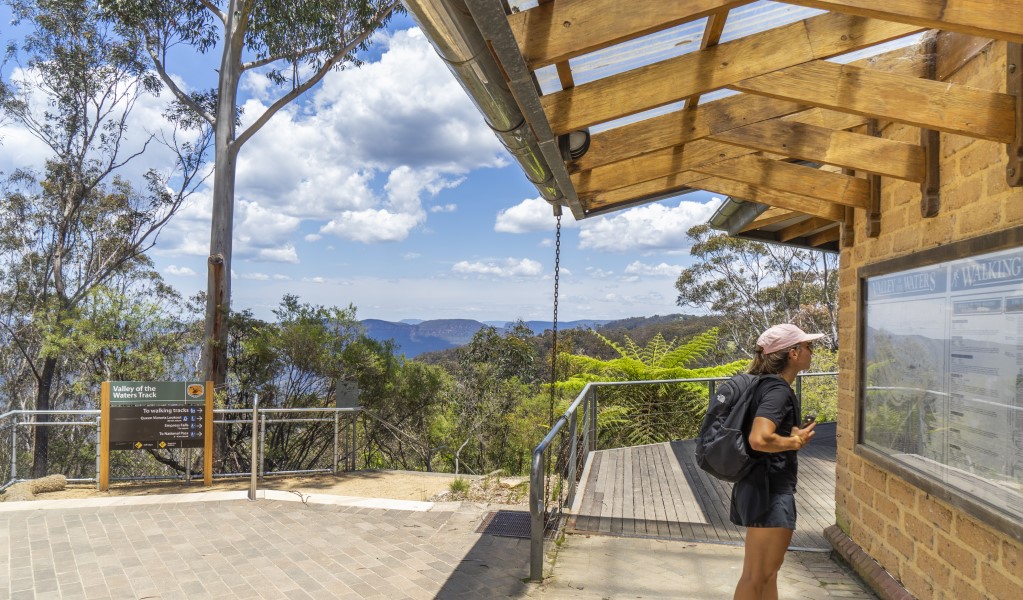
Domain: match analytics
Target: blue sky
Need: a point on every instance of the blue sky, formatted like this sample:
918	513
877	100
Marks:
382	187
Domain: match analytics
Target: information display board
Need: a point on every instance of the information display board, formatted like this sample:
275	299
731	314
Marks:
943	368
140	415
170	426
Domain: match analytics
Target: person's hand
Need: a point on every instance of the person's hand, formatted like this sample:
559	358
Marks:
804	435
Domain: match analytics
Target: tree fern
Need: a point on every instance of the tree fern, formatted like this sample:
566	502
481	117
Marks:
645	414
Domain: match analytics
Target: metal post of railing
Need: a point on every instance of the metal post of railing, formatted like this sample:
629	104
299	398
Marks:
334	462
536	512
262	446
14	448
571	459
188	466
98	449
799	388
355	441
255	426
593	421
712	387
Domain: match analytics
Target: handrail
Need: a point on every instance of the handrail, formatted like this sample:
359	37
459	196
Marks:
15	419
537	490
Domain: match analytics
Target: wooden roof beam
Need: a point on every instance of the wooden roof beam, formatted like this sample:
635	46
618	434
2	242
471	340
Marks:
711	36
781	176
921	102
675	182
613	97
781	199
803	229
832	234
680	127
652	166
841	148
557	31
770	217
987	19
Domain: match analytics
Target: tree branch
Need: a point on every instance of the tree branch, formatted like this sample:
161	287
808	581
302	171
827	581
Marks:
213	8
271	59
327	66
178	92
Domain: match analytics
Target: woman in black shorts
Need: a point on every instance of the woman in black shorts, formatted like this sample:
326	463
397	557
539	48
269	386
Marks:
764	501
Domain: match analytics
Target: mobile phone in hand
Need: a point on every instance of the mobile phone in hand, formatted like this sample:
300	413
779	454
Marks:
808	418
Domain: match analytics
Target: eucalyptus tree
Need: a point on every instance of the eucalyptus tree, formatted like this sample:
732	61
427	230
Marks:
76	224
755	285
294	44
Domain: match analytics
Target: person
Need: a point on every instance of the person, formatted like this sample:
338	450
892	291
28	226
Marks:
764	501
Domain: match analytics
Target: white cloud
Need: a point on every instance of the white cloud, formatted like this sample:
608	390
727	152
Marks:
661	270
508	267
356	158
178	271
411	255
372	226
598	273
529	216
256	276
279	277
314	280
653	227
285	254
444	208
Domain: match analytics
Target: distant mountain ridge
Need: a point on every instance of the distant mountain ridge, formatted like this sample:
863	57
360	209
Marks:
415	337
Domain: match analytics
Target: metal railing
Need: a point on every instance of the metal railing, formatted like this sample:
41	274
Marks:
344	420
566	465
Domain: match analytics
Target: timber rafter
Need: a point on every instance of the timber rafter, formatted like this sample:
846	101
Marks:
793	107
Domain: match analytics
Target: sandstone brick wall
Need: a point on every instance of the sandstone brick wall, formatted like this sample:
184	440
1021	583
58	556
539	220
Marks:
933	548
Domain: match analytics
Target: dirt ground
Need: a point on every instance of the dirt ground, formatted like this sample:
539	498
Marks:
397	485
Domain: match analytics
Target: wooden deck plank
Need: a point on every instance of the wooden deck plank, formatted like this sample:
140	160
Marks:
645	500
678	523
628	502
659	491
584	522
693	521
604	526
618	495
667	501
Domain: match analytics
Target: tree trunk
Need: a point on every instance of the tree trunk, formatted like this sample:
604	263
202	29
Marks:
218	298
42	432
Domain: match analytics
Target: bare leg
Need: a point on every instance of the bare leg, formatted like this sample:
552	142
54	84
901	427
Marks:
765	552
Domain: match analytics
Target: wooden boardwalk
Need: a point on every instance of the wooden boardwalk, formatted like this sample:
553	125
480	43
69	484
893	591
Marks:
658	491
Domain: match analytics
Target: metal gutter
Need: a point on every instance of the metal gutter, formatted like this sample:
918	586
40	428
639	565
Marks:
734	214
450	27
492	20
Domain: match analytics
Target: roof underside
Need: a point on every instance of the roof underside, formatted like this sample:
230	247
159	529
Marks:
753	101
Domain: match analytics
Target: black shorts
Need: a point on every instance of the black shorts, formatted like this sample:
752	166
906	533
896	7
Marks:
777	510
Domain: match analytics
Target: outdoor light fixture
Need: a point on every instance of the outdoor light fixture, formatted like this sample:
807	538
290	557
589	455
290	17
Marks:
575	144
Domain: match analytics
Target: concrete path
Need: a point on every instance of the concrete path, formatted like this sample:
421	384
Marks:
219	545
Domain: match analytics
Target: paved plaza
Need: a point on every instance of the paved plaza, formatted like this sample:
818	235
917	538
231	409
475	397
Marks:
220	545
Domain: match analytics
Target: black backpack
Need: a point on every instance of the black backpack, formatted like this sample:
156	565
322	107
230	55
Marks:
722	447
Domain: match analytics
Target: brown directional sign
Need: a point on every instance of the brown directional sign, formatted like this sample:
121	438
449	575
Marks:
139	415
167	426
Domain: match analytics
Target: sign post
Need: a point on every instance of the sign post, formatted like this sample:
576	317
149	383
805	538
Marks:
139	415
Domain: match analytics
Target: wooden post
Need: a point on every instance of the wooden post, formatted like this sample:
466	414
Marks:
104	437
207	451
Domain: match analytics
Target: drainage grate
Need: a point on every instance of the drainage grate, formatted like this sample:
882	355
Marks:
508	523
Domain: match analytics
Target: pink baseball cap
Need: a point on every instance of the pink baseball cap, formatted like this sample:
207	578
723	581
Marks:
781	337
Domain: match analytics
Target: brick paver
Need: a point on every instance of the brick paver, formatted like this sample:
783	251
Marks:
169	548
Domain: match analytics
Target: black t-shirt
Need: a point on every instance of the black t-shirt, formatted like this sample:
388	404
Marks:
776	401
